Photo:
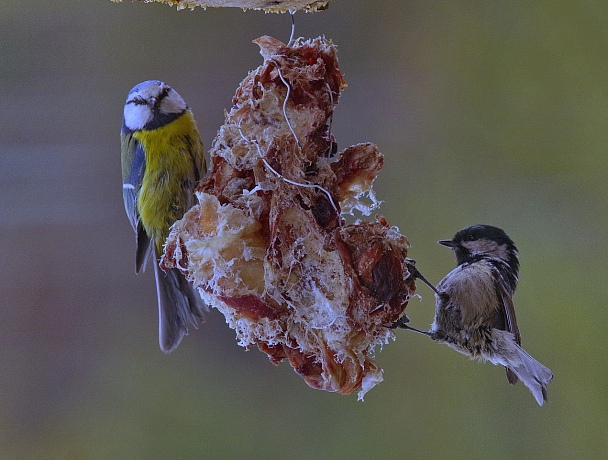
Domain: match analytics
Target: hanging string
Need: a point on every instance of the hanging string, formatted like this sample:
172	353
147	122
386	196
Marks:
293	28
285	105
279	175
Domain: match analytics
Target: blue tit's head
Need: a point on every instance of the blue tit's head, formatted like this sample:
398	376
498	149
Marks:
483	242
151	105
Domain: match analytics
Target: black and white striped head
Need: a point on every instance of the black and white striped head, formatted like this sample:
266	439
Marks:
483	242
151	105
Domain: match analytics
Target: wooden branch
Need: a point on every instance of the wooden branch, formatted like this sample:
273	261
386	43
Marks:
276	6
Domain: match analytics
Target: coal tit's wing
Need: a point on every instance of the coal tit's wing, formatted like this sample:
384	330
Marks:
506	313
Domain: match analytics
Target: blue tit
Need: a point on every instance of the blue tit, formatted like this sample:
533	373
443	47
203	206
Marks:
162	162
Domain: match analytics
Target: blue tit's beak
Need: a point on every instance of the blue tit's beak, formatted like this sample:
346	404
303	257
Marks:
448	243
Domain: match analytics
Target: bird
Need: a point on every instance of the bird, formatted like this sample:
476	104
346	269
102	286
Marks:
474	311
162	160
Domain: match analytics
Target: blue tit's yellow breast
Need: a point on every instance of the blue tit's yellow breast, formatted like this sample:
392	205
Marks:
174	156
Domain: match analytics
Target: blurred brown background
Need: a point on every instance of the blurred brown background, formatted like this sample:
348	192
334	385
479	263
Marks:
487	112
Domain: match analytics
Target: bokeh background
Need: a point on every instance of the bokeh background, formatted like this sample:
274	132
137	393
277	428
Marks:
487	112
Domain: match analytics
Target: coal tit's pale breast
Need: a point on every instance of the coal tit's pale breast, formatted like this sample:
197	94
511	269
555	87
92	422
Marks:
471	288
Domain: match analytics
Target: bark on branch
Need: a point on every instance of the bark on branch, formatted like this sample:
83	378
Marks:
276	6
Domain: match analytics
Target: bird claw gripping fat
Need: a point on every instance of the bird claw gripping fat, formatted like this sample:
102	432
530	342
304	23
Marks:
267	244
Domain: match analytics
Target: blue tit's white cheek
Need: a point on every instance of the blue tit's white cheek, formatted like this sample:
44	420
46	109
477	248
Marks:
172	103
137	116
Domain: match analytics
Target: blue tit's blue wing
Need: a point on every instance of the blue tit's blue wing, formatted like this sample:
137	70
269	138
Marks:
133	170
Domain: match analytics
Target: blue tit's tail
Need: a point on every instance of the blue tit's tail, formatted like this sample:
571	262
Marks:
178	306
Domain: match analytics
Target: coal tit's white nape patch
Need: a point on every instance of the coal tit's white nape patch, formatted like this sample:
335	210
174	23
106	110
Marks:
149	99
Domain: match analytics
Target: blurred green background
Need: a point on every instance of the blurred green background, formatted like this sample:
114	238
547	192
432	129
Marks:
487	112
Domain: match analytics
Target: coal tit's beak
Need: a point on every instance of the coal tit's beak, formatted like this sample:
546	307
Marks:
448	243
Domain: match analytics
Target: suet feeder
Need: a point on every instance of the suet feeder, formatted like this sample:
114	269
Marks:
268	245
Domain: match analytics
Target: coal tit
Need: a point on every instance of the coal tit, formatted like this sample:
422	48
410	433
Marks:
474	312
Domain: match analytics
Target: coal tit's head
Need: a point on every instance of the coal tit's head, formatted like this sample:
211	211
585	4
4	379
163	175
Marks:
483	242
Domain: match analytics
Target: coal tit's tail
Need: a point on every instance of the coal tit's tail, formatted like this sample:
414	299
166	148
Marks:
521	365
533	375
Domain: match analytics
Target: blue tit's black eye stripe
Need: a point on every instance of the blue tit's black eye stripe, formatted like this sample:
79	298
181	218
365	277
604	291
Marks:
137	101
138	168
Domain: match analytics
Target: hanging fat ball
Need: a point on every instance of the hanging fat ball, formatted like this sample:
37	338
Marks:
267	244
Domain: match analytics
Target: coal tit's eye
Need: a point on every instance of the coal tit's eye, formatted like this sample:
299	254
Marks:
470	237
